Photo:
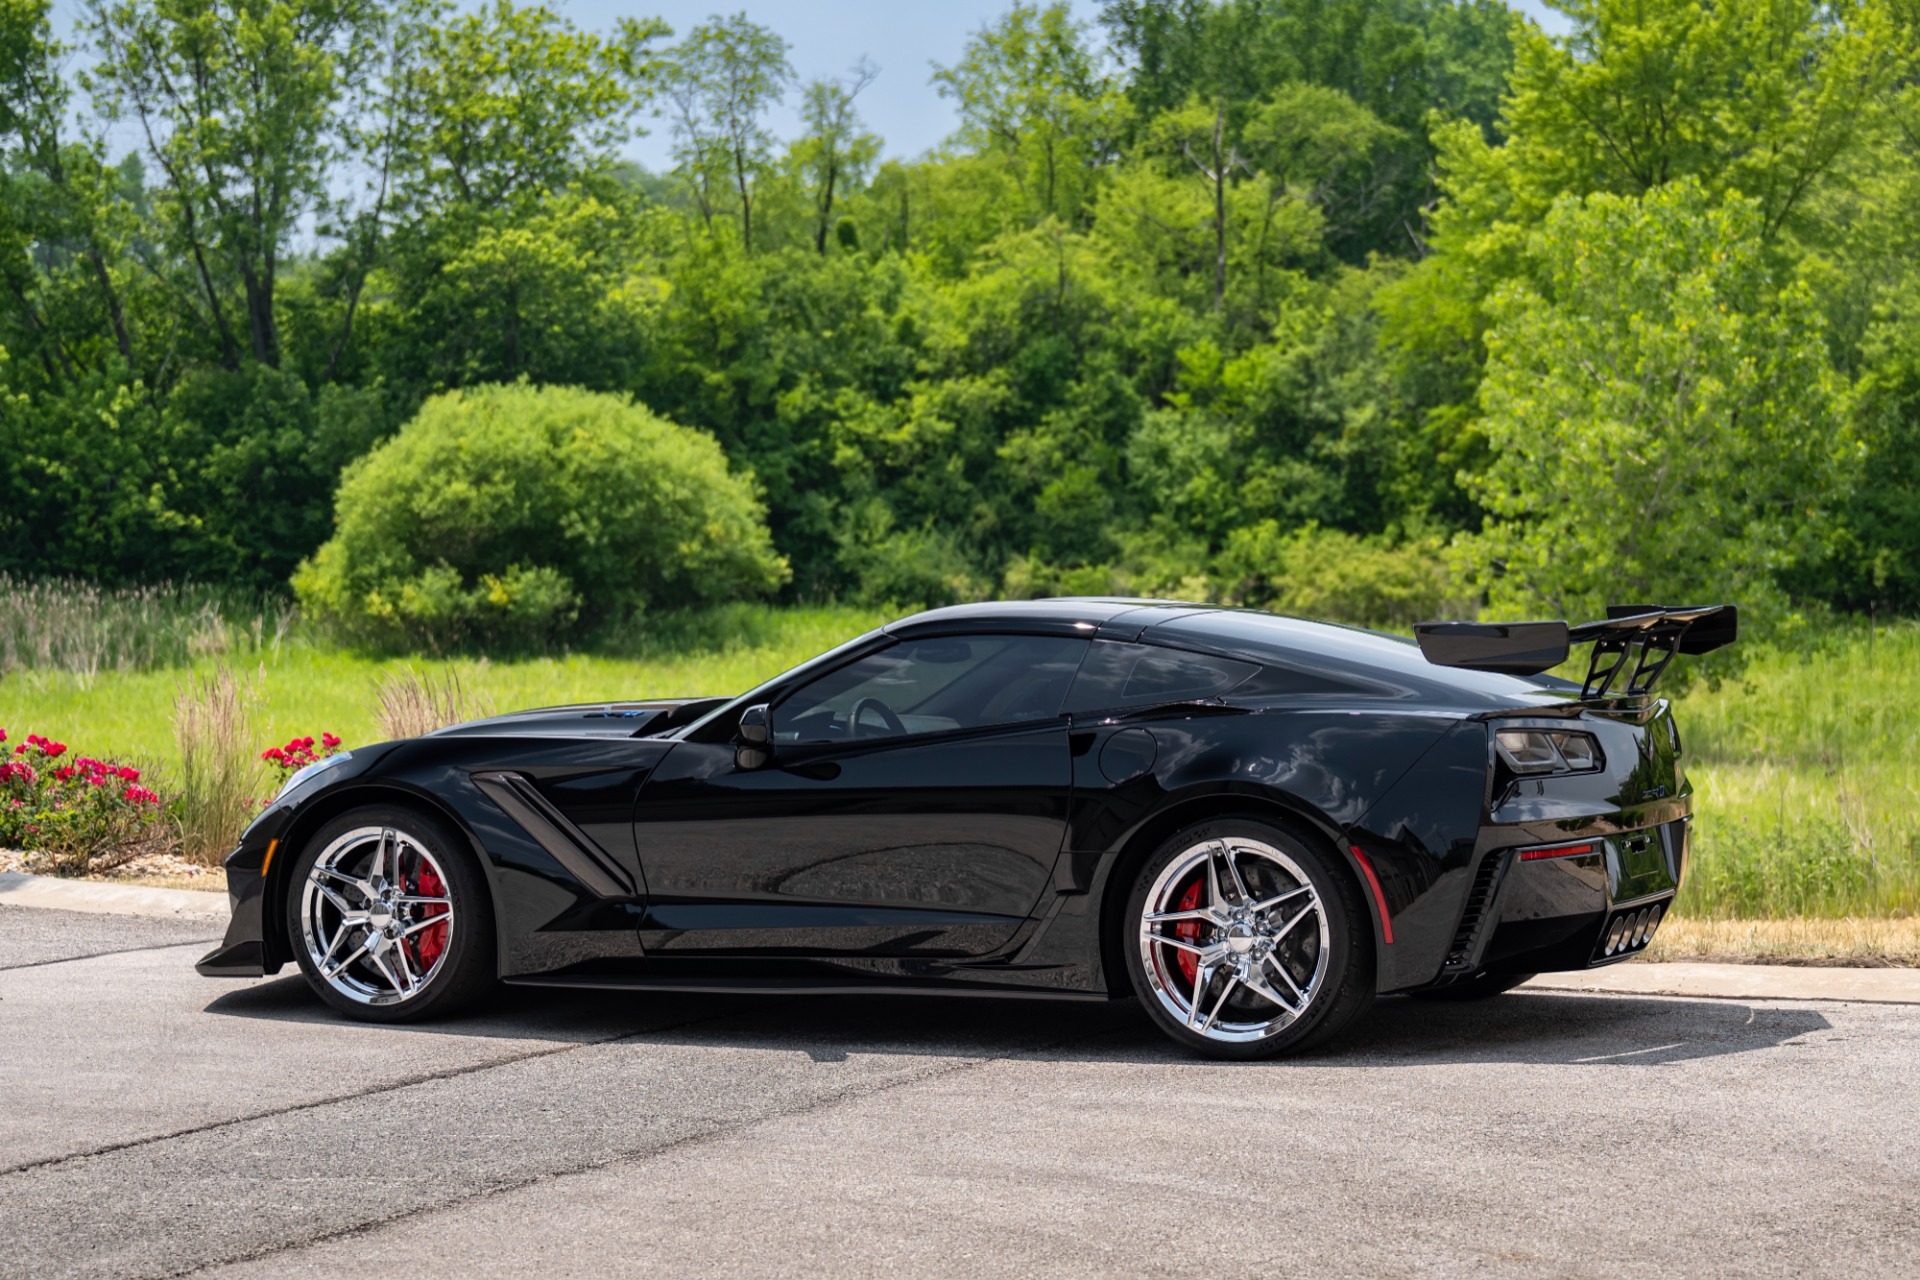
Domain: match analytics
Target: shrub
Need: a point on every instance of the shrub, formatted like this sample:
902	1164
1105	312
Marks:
507	515
78	811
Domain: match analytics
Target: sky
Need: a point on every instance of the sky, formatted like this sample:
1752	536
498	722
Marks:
902	37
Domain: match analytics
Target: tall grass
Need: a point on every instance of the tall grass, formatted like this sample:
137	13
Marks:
1807	770
220	777
84	630
415	702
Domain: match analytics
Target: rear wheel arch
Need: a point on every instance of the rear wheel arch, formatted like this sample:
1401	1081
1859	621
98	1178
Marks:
1301	823
324	809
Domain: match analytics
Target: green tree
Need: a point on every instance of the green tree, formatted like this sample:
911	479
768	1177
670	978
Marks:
1663	421
63	224
242	106
514	103
1031	95
720	81
835	153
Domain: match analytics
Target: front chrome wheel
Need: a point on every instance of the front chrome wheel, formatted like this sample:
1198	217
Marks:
376	916
1234	940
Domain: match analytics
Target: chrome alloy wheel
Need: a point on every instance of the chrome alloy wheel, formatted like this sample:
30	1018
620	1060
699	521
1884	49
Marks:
1233	939
376	916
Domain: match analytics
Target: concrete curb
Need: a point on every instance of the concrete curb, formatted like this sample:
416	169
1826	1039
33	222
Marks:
18	889
1741	982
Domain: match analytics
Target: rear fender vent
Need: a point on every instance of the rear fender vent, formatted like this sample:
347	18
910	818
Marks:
1630	929
1461	954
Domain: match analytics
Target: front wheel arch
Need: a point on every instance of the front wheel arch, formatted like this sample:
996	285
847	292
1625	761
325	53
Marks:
317	813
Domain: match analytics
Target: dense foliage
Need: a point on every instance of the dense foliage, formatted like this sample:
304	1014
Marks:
1276	304
498	514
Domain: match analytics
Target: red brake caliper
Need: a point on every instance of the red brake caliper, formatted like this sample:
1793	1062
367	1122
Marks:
429	943
1188	930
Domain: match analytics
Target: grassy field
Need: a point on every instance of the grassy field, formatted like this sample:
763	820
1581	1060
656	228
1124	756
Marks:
1808	778
306	688
1807	767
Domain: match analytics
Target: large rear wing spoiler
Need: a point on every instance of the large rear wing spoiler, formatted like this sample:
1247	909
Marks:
1656	632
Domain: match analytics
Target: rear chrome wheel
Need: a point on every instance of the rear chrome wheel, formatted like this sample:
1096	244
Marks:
389	916
1248	942
375	915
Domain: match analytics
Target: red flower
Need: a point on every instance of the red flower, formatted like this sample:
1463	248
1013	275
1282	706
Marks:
140	795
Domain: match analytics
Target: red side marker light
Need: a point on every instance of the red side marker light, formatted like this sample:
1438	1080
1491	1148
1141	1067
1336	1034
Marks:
1379	899
1557	851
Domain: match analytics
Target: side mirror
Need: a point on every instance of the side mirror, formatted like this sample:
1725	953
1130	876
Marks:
754	738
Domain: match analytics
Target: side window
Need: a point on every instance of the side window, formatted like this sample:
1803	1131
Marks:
929	686
1116	674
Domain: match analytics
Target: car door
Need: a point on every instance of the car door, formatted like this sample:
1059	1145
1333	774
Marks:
912	803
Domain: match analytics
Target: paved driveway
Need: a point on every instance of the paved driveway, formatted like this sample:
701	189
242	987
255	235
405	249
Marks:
156	1123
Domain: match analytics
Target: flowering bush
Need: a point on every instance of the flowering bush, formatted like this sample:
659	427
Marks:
77	809
299	753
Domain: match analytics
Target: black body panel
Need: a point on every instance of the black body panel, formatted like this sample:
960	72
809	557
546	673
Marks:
937	846
651	845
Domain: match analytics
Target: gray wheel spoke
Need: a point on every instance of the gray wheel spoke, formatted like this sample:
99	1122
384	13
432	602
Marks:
1202	978
341	904
1286	928
404	966
1239	885
1219	1004
414	900
1273	959
355	954
358	886
428	923
1261	987
1268	904
387	973
339	936
389	849
1210	955
1169	917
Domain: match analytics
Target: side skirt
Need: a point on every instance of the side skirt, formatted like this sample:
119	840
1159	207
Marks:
803	987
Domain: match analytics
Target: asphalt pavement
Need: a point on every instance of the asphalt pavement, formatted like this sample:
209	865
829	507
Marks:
156	1123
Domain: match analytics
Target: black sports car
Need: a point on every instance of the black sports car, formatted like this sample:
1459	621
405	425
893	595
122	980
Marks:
1252	823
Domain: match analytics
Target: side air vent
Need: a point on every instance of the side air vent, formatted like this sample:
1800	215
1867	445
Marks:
1473	918
584	860
1629	930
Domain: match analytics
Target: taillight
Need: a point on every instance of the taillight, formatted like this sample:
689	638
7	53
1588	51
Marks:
1537	753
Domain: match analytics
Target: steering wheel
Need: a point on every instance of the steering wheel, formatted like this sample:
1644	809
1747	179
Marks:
888	720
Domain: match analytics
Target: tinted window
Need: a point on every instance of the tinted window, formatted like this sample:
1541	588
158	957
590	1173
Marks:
1120	675
929	686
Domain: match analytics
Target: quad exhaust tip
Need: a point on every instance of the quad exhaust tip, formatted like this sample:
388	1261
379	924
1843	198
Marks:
1631	930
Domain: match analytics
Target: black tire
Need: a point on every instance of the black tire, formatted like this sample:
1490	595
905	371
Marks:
1481	986
464	969
1270	862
